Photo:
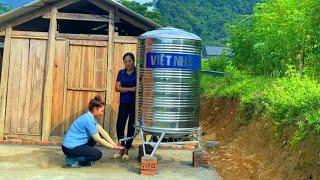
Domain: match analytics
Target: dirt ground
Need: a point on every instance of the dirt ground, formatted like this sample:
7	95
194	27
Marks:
253	151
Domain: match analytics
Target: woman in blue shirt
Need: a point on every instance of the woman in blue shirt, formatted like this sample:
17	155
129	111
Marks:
83	134
126	85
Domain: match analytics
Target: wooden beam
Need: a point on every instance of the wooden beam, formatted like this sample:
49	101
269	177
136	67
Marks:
36	13
120	15
83	36
48	85
4	79
86	89
65	88
78	17
126	39
132	21
2	33
109	121
89	43
30	34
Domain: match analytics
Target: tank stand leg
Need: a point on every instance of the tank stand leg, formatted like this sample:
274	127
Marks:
200	157
199	139
158	143
143	142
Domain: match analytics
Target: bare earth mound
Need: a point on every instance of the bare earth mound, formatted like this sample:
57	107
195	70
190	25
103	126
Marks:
253	151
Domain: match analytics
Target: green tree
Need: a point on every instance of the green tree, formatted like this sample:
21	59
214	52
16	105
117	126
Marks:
145	9
4	8
205	18
280	33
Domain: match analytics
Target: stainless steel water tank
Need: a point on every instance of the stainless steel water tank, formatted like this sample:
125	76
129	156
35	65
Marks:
169	70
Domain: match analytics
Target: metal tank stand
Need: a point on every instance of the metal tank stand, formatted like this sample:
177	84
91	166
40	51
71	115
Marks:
149	161
159	142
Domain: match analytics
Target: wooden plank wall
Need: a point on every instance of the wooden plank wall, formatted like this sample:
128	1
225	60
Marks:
80	73
25	87
119	50
58	88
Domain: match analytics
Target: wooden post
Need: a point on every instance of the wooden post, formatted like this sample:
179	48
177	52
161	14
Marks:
4	79
47	102
65	88
109	121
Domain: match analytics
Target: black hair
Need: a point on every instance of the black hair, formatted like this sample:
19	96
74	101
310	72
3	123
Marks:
128	54
96	102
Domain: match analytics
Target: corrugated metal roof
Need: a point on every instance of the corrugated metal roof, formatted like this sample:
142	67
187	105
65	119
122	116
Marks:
216	50
35	5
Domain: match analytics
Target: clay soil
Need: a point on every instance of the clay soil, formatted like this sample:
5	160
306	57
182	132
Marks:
253	151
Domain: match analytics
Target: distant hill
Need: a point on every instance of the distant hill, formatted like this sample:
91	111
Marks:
205	18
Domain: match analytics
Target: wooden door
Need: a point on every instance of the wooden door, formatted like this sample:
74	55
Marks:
25	87
86	77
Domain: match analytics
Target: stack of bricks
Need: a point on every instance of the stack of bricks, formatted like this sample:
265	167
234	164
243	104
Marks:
149	166
29	142
200	158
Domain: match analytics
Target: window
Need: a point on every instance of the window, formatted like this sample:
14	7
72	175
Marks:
36	25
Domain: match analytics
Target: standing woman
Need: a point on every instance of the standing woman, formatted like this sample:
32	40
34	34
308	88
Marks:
83	134
126	85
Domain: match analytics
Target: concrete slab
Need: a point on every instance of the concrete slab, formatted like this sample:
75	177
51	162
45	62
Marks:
44	162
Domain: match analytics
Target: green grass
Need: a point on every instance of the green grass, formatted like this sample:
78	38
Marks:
289	101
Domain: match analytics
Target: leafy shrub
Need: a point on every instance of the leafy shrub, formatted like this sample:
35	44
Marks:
292	100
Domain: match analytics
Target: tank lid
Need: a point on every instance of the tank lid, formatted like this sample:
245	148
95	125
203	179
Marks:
169	32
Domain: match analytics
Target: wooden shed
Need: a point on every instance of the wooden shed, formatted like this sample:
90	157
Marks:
56	56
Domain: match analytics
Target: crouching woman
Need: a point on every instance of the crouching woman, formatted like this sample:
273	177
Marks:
79	141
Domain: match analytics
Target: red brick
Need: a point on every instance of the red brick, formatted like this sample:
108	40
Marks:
55	143
149	166
43	142
15	141
176	146
28	142
189	147
153	167
149	161
200	158
144	167
148	173
4	142
164	147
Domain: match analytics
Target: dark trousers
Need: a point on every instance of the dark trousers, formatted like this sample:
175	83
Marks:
86	150
125	111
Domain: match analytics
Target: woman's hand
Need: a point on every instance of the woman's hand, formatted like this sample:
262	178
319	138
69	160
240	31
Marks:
118	147
131	89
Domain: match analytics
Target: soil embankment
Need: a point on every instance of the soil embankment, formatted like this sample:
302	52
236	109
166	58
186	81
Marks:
253	151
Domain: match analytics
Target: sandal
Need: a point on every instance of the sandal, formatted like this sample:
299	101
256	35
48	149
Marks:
125	157
117	155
